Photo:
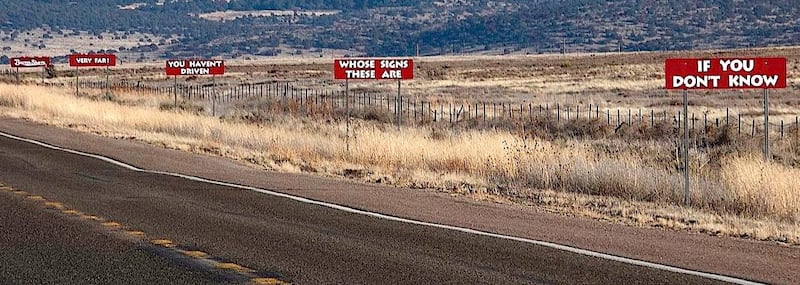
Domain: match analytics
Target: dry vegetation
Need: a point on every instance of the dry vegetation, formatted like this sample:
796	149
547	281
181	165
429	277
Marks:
631	179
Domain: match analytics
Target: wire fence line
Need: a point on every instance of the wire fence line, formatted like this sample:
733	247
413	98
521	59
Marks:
413	111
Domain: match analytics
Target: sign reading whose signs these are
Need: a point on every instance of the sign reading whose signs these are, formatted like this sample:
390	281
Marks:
374	69
725	73
195	67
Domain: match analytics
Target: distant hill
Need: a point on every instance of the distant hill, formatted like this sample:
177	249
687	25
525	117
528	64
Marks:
403	27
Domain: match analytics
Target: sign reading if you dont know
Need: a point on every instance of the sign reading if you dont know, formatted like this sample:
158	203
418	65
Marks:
725	73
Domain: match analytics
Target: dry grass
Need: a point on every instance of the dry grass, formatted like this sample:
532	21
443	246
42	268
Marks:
746	195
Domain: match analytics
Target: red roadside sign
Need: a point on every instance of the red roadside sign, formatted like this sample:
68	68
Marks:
28	61
373	69
92	60
725	73
176	67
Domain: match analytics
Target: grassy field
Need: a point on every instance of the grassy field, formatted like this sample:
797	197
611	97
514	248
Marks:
631	179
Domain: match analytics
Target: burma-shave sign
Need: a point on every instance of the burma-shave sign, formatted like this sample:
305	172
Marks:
195	67
374	69
92	60
725	73
26	61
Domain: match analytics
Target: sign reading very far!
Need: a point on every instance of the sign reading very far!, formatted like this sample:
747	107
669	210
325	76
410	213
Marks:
726	73
376	69
195	67
92	60
25	61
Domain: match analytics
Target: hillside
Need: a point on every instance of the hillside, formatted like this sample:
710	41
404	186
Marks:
403	27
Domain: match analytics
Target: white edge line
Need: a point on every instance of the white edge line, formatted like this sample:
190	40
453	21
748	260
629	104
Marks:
585	252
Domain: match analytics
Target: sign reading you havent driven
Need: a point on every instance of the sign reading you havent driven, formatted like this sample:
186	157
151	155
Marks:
726	73
195	67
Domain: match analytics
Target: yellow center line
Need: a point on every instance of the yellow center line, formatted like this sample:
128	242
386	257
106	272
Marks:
234	267
71	212
36	198
56	205
92	217
163	242
135	233
112	224
195	253
267	281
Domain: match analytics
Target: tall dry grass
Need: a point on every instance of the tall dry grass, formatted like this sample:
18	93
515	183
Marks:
494	159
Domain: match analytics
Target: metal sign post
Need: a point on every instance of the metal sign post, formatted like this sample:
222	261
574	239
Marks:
77	82
108	83
766	125
214	96
399	106
686	189
347	111
17	73
175	89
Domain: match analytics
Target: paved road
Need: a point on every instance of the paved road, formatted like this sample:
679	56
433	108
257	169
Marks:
300	243
42	247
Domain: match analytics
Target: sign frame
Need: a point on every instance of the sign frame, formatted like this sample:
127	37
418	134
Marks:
721	74
387	68
45	61
79	60
213	67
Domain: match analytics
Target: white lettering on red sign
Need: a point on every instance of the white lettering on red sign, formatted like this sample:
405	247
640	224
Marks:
725	73
29	63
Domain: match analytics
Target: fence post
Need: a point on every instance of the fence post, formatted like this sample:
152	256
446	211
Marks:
739	128
422	111
640	116
629	116
608	114
415	110
753	132
652	118
781	129
727	117
558	112
484	112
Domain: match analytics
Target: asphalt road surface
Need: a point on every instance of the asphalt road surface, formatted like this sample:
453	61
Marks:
271	236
